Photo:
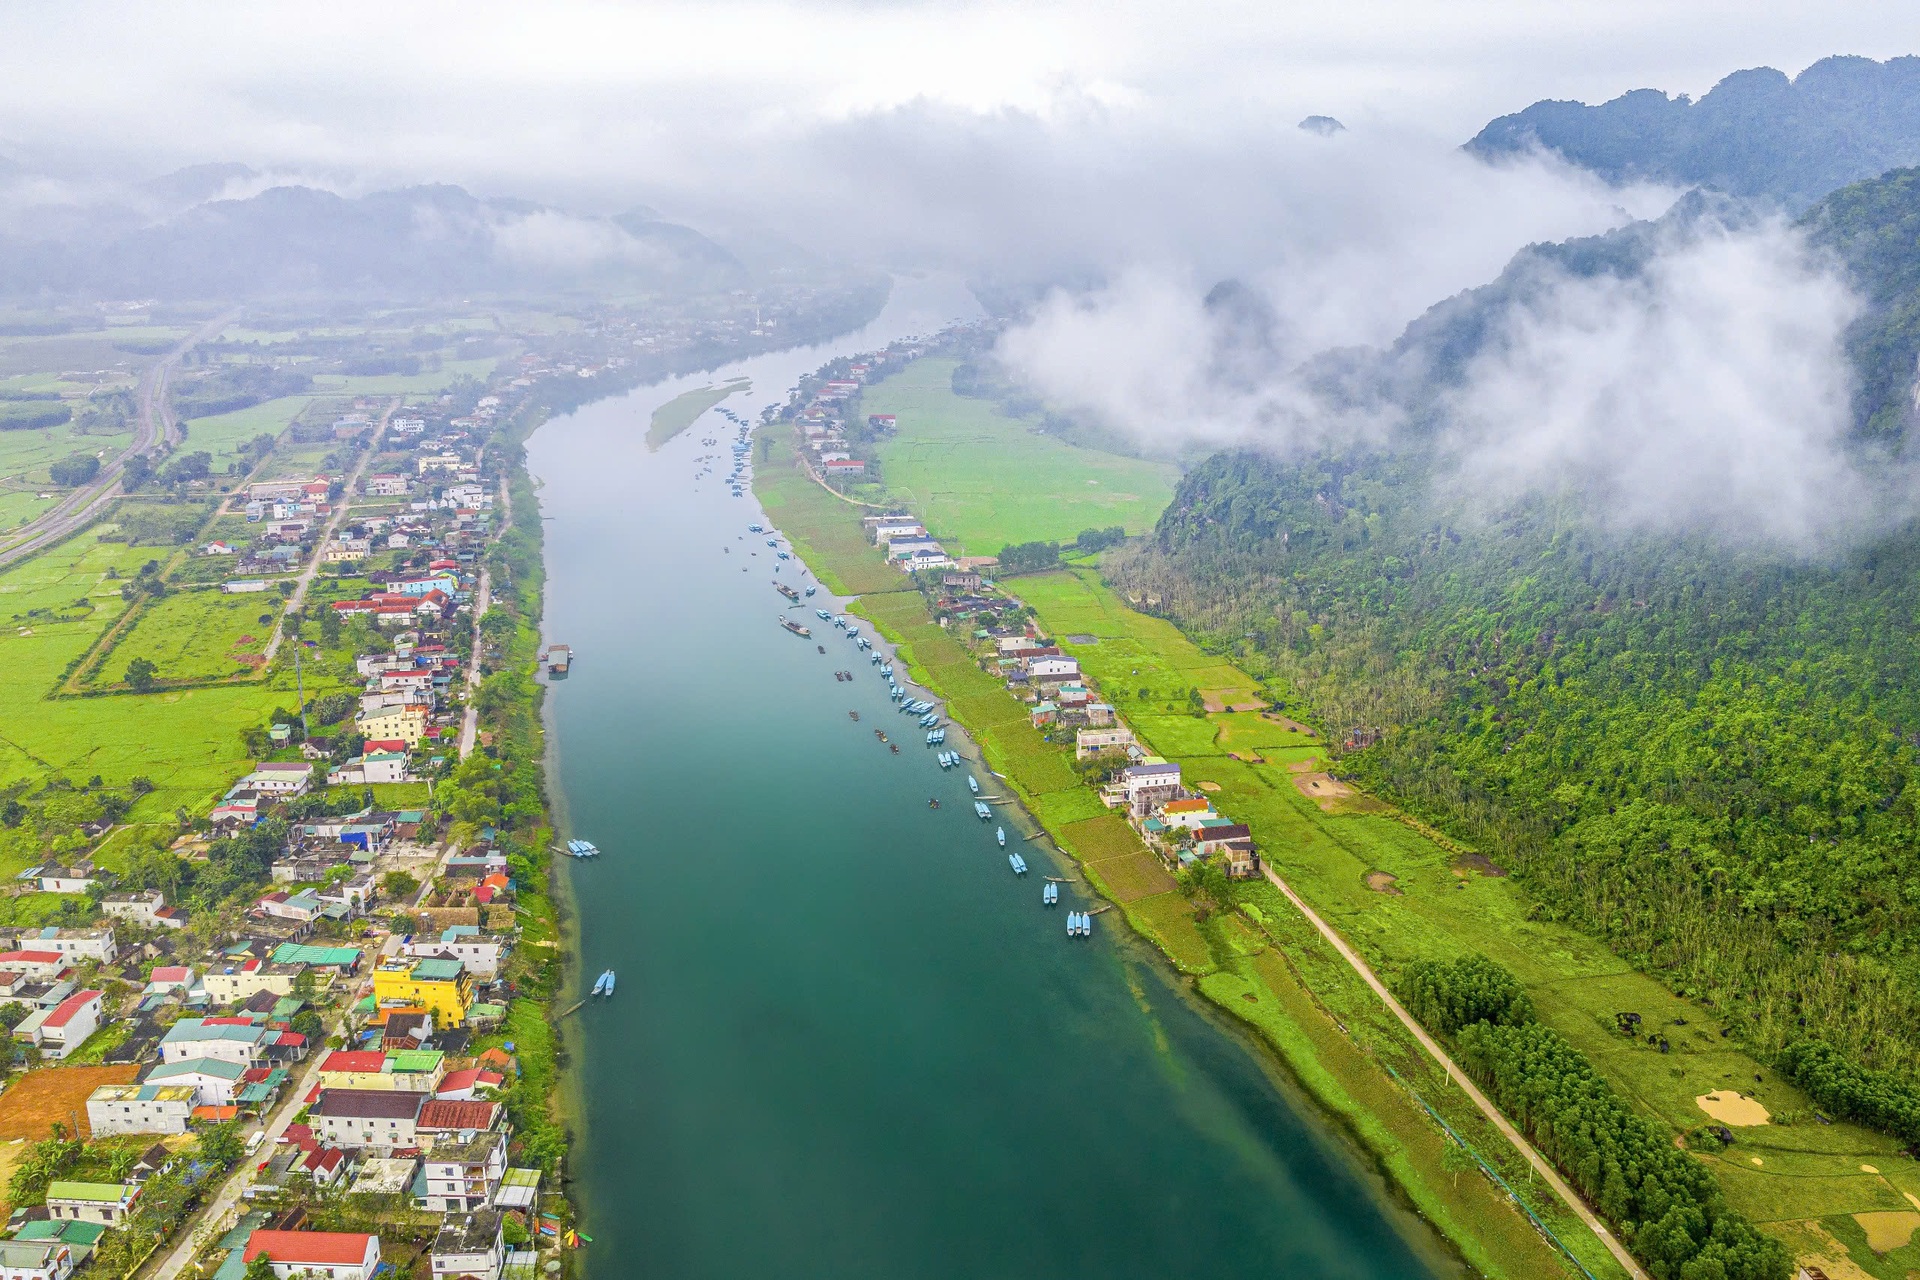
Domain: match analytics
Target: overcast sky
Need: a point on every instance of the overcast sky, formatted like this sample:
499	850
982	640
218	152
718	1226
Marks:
673	100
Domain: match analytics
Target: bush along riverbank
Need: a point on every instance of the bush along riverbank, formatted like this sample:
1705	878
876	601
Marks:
1241	944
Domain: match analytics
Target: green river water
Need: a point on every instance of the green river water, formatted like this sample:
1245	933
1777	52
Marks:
847	1041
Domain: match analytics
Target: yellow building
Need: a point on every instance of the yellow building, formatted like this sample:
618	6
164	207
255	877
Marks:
408	724
443	988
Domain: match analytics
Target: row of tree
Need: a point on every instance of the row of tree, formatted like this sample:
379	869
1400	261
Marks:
1665	1204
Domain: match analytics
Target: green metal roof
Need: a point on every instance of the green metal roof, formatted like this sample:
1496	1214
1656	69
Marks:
105	1192
303	953
415	1059
437	970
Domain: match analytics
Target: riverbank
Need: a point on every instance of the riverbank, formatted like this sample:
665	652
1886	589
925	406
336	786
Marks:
1265	966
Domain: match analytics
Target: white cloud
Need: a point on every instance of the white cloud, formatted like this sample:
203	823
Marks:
1709	393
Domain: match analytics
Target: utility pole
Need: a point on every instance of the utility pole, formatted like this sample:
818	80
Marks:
300	689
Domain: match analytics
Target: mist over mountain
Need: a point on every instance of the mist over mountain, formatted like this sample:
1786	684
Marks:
1757	133
298	240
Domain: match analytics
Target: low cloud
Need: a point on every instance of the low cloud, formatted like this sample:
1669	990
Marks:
1708	393
1331	242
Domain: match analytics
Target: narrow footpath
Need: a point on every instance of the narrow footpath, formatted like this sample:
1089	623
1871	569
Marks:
1539	1162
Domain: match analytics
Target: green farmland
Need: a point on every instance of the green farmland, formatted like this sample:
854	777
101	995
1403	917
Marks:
681	412
197	634
980	480
187	741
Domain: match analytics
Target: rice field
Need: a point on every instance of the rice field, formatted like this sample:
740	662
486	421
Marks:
980	480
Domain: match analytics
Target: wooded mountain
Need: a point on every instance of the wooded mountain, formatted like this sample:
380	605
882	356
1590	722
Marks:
1705	756
414	242
1756	133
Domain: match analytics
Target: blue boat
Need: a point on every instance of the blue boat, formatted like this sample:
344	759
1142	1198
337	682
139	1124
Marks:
754	528
1000	834
603	985
1073	923
929	739
821	614
1018	863
973	784
811	590
772	542
980	807
582	849
1050	894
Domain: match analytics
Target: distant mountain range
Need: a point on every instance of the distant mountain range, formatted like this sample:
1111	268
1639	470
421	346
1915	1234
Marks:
176	238
1757	133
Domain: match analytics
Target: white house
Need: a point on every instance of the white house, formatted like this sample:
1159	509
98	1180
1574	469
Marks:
480	955
229	1039
471	1244
36	1259
142	908
384	1118
65	1027
214	1081
33	962
104	1202
463	1175
141	1108
78	944
278	777
58	879
316	1255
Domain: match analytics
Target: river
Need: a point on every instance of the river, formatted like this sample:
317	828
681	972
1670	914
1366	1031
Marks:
847	1042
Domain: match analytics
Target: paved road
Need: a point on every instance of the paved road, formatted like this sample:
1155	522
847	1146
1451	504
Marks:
470	724
155	418
1459	1077
299	596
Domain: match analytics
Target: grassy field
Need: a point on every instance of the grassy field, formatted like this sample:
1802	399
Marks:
824	529
196	634
187	742
25	457
681	412
222	434
980	480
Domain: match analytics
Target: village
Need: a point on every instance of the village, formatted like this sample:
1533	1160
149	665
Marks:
339	1041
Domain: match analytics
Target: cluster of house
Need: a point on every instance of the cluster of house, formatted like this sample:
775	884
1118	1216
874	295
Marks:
402	1114
1179	824
908	545
819	412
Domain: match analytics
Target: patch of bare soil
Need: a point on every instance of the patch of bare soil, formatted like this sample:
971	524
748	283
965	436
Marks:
1465	862
1322	787
1730	1108
1384	882
1889	1229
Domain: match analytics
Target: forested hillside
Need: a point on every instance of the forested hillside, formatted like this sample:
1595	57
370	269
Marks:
1757	133
1706	757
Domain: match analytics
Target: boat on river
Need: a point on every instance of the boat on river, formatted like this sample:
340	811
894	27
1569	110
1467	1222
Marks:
811	590
787	591
973	784
1018	863
603	985
980	807
793	626
1050	894
1000	834
822	614
582	849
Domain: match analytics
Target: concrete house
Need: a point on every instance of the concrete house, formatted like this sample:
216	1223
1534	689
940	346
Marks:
141	1108
383	1118
36	1259
470	1245
214	1081
65	1027
316	1255
463	1173
104	1202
